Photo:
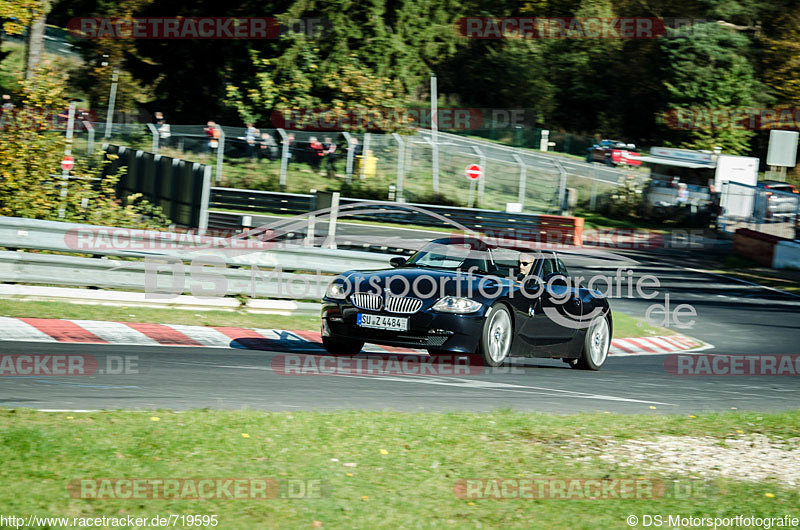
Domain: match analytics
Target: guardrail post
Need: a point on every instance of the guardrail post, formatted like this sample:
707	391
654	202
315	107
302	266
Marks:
220	153
284	157
522	179
562	185
205	196
435	163
482	180
349	164
332	220
154	132
67	152
401	153
364	155
312	222
90	141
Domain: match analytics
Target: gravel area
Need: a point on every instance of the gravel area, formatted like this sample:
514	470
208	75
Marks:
753	458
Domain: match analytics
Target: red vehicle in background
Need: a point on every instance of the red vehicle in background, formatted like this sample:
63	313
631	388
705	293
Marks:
613	153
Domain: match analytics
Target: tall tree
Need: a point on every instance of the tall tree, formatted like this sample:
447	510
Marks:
707	68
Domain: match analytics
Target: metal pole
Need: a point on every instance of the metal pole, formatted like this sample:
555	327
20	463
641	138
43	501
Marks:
284	157
350	149
435	132
62	211
593	199
482	180
471	193
522	180
112	98
332	220
220	152
562	185
154	132
401	148
90	142
312	221
202	225
364	155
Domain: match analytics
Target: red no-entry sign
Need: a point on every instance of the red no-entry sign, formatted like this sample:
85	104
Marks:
67	162
474	171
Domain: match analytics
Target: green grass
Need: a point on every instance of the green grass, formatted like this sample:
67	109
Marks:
406	465
18	308
746	269
624	325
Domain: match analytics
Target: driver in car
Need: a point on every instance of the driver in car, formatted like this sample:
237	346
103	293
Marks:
525	266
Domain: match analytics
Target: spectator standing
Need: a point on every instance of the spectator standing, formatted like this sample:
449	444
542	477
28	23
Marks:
212	137
250	136
316	152
329	155
163	129
268	148
6	110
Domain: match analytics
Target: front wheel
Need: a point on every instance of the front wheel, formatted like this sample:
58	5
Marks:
496	336
595	346
342	346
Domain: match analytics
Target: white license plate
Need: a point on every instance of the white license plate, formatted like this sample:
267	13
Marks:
382	322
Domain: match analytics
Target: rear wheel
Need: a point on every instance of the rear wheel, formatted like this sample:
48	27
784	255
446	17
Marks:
342	346
595	346
496	336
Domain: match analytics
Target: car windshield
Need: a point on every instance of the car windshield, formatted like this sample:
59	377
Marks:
452	256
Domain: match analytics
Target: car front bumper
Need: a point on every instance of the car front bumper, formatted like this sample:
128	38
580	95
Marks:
426	329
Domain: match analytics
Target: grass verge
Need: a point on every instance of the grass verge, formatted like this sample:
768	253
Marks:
402	472
191	317
745	269
625	326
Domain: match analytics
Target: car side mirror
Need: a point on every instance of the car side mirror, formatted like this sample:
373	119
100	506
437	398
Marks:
397	261
556	278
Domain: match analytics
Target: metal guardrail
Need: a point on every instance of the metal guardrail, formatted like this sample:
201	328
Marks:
524	226
27	267
247	261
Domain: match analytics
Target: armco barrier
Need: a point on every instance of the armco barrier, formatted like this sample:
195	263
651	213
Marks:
495	224
787	255
757	246
36	234
177	186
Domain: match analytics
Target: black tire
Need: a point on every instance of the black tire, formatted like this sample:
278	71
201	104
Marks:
496	336
342	346
595	351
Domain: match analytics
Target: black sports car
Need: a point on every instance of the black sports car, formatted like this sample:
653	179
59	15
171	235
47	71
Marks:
461	295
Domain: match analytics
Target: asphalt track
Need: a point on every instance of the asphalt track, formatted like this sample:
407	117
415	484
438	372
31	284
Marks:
736	317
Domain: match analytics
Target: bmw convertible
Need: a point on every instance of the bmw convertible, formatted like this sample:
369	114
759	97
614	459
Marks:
463	295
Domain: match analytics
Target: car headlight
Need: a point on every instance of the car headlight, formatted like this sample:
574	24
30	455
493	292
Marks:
336	290
455	304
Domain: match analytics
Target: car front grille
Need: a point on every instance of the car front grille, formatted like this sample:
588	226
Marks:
403	304
371	302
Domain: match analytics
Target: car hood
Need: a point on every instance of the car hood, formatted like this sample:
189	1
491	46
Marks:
430	283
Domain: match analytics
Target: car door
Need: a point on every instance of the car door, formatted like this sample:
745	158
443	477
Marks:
553	323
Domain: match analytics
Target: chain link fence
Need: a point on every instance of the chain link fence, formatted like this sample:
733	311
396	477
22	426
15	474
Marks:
420	167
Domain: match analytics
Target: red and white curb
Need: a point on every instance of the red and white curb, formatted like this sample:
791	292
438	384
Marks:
657	345
139	334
